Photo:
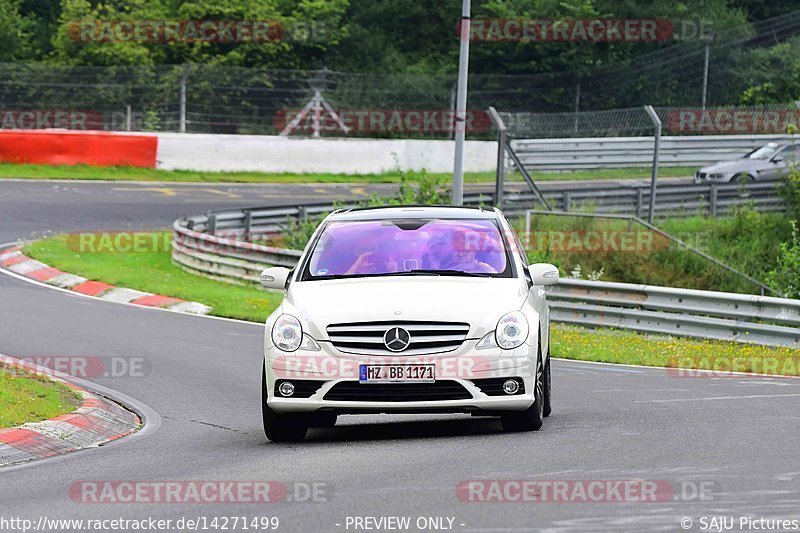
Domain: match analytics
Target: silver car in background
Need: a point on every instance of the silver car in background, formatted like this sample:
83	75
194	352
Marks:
770	161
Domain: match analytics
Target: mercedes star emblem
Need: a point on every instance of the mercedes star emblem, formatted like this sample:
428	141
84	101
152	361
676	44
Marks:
397	339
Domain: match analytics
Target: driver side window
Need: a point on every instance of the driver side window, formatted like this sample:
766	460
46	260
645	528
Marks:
791	153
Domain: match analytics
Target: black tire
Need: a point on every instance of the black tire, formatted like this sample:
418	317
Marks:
323	420
281	427
531	418
547	407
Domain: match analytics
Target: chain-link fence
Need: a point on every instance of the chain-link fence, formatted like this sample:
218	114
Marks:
226	99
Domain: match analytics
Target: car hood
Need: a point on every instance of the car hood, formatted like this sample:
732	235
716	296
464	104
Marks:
737	165
477	301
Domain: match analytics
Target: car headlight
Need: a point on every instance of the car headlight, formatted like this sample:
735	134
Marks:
287	335
511	332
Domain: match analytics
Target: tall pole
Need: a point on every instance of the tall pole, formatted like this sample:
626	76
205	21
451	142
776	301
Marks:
656	154
182	109
461	105
705	74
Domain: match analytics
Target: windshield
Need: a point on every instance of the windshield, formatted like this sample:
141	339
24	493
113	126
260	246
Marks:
467	247
765	152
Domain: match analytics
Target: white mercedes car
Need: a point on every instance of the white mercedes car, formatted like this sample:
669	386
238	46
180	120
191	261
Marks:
408	310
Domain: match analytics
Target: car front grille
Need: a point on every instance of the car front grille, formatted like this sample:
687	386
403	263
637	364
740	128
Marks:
353	391
426	337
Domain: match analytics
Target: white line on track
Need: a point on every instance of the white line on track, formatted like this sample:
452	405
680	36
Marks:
715	398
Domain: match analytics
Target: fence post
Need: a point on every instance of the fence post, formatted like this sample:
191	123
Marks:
212	223
656	149
714	200
248	225
499	185
639	202
567	201
182	118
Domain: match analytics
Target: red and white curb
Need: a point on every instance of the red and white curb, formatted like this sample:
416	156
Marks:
14	260
98	421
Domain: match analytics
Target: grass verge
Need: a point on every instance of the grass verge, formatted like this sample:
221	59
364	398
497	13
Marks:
84	172
154	272
26	397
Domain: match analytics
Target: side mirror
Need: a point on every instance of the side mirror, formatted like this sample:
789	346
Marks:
777	159
275	277
543	274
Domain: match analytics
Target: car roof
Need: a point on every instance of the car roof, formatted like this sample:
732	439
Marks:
415	211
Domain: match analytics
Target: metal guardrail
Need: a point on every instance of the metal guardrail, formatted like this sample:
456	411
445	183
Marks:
212	245
674	200
681	312
618	152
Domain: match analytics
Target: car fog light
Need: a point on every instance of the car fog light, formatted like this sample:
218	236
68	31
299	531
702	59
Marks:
286	388
511	386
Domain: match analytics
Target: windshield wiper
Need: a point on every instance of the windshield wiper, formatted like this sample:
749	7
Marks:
449	272
415	272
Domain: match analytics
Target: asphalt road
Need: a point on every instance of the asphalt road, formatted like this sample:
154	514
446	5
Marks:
735	439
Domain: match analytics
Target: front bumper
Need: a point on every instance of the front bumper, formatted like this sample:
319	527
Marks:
458	369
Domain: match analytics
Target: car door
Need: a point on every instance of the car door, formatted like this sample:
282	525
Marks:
786	159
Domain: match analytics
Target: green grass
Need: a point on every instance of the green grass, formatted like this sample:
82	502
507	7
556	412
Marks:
83	172
154	272
627	347
749	241
26	397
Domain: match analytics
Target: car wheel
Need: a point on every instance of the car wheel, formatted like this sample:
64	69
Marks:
323	420
280	427
531	418
742	177
547	406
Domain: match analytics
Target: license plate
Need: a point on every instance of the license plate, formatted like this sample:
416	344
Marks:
397	373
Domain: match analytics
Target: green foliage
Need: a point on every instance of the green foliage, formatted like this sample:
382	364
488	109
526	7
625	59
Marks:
415	188
791	192
749	241
778	71
785	278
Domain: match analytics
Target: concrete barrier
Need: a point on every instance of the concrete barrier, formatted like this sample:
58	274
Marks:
338	156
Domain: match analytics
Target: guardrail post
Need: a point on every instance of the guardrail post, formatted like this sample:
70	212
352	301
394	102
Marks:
639	201
212	223
713	200
248	225
302	214
567	201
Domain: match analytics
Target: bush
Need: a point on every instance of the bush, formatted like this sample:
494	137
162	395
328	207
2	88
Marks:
791	193
786	276
415	188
